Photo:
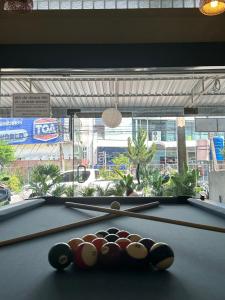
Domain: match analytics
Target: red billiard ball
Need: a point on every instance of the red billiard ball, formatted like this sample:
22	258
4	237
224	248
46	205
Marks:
99	242
85	256
89	237
110	255
123	243
123	234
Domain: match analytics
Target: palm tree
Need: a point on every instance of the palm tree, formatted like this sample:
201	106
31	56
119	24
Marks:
139	153
46	179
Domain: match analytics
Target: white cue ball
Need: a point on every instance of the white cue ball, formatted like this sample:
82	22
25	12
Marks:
115	205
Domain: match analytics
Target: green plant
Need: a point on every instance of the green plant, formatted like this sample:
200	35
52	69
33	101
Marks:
45	179
117	189
101	191
183	184
107	174
58	191
69	191
121	160
3	203
139	153
126	181
87	191
7	154
13	182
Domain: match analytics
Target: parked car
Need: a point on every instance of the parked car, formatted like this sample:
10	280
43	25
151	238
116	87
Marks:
5	194
83	178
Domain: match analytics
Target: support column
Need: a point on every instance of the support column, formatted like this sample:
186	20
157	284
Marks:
181	144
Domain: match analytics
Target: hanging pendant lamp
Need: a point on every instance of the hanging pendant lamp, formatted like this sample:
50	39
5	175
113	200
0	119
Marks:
111	117
212	7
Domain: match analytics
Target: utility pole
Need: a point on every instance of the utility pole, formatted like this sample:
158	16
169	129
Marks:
71	113
181	144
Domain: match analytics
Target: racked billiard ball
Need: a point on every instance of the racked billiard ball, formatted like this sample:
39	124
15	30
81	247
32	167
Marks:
99	242
113	230
136	255
123	243
161	256
111	237
101	234
73	243
134	237
89	237
123	233
85	256
115	205
60	256
110	255
148	243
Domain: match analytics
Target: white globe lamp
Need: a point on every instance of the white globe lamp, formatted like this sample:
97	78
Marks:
111	117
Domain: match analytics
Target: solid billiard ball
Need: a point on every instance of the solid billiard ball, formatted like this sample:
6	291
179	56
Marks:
89	237
123	233
60	256
123	243
101	234
113	230
85	256
73	243
134	237
115	205
110	255
99	242
136	255
161	256
111	237
148	243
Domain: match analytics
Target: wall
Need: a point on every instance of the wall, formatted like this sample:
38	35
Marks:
217	186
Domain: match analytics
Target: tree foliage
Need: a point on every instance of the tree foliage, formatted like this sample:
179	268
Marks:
121	160
7	154
138	151
45	180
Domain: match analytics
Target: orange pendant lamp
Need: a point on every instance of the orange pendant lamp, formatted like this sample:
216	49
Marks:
21	5
212	7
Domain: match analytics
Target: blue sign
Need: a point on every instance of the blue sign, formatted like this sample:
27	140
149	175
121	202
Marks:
219	145
19	131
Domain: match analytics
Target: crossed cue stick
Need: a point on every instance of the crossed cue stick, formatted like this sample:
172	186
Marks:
145	217
73	225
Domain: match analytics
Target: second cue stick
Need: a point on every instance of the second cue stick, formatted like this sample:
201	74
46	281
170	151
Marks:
73	225
146	217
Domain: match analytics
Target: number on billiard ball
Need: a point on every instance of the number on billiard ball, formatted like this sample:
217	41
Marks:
161	256
60	256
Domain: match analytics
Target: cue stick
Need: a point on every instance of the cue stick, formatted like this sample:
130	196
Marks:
73	225
146	217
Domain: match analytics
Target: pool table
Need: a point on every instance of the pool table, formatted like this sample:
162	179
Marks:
198	271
